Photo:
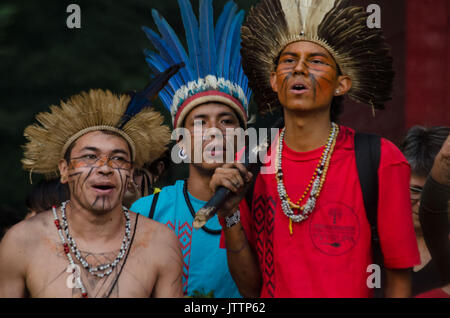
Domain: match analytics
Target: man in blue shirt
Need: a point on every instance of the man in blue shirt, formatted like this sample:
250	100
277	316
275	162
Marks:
211	93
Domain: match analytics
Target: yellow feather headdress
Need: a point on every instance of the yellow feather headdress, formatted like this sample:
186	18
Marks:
98	110
359	51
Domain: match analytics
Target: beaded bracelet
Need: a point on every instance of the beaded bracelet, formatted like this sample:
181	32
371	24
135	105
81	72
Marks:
233	219
230	221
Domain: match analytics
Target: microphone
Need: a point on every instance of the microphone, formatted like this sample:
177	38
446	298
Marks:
220	196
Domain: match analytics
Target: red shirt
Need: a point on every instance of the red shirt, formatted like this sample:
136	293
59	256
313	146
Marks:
328	254
434	293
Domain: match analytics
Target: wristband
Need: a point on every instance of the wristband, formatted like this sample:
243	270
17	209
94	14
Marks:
231	220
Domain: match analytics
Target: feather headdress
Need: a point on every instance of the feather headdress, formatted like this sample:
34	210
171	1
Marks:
213	71
360	52
97	110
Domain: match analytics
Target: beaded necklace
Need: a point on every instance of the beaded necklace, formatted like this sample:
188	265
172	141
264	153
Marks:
105	269
315	185
79	283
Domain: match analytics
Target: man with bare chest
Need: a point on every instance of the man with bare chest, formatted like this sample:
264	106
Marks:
92	246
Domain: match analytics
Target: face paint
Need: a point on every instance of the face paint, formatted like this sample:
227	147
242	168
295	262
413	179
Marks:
90	160
316	76
99	171
288	75
306	76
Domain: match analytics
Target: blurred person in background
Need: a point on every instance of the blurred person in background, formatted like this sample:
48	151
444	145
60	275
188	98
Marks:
45	194
434	219
420	147
146	179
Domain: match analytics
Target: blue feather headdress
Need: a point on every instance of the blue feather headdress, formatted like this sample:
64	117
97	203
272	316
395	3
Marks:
213	71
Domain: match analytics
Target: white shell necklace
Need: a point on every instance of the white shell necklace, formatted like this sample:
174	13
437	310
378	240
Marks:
105	269
315	185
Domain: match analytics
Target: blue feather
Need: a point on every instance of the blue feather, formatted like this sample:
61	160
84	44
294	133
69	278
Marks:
247	89
166	57
207	41
160	45
223	48
249	96
176	81
222	19
173	42
237	21
244	84
152	67
143	98
192	36
242	79
235	60
212	49
159	65
166	98
236	68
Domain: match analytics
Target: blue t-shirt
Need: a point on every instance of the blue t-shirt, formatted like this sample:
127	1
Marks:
205	263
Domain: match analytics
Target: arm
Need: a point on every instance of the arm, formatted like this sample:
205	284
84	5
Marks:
398	283
242	261
170	266
12	268
433	212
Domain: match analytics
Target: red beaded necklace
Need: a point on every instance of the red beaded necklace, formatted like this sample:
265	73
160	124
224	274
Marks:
78	283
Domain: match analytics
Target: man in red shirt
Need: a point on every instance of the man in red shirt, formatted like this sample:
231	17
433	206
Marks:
306	233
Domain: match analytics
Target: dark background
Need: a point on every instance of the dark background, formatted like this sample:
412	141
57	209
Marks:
43	62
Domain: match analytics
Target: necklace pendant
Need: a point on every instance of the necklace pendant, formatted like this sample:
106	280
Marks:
294	206
291	230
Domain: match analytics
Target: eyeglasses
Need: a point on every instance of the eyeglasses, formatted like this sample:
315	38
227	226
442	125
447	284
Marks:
91	160
415	192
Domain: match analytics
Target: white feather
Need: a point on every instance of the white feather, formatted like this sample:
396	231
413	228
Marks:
305	15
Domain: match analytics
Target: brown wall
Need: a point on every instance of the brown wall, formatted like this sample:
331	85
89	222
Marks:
418	32
428	63
389	123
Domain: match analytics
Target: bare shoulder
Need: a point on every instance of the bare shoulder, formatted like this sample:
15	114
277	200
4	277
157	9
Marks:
154	233
158	257
157	243
26	232
20	242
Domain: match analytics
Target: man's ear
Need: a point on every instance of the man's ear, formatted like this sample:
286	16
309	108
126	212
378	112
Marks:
63	171
273	81
344	85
